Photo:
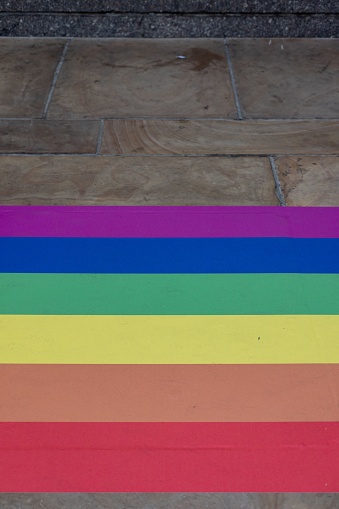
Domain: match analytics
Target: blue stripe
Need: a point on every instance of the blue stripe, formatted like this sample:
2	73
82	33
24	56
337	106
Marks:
169	256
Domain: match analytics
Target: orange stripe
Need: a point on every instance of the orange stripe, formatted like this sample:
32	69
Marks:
169	393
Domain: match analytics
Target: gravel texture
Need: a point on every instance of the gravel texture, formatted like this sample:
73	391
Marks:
171	6
168	25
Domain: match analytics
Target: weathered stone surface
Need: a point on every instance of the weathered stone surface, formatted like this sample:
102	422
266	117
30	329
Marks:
26	73
129	78
170	500
48	136
211	137
172	6
309	181
168	25
77	180
286	79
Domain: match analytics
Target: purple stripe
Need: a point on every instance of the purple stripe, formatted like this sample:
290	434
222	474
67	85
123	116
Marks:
170	222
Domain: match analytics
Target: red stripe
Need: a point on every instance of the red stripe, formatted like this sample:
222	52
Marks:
168	222
169	457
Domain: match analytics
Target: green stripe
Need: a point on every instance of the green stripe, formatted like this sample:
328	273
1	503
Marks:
192	294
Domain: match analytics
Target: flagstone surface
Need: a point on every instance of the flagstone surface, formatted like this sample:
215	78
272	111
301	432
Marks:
144	78
188	98
26	71
41	136
210	137
309	181
282	78
136	181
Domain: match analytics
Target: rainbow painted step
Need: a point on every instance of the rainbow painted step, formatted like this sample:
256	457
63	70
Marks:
169	349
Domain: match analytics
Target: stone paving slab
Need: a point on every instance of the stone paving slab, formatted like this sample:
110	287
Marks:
309	181
136	181
120	78
26	73
286	79
45	137
210	137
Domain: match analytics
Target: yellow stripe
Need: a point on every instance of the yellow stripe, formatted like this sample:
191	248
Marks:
58	339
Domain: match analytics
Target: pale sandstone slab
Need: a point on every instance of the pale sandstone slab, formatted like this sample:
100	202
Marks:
309	181
46	136
144	78
287	78
27	68
220	137
136	181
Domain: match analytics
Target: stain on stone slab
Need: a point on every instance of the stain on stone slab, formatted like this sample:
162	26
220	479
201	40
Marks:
309	181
